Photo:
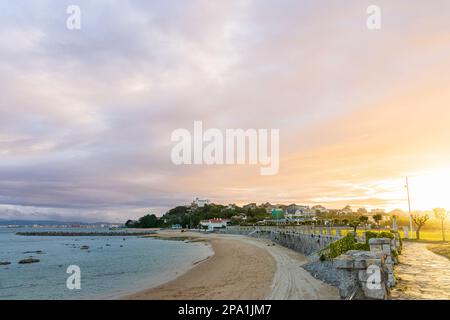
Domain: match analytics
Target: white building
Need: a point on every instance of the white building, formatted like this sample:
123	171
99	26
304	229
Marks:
212	224
200	203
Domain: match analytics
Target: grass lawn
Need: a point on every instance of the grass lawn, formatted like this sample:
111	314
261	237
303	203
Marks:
425	235
430	236
442	249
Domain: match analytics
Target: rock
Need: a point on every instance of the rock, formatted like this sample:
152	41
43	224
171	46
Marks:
107	245
4	263
84	247
29	260
36	252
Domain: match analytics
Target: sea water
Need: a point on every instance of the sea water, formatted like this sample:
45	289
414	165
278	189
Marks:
111	267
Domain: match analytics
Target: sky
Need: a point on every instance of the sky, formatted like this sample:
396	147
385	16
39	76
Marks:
86	115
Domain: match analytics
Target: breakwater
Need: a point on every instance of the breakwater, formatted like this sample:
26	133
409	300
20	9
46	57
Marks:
83	234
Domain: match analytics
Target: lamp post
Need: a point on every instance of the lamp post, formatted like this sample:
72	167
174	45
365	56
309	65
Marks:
409	209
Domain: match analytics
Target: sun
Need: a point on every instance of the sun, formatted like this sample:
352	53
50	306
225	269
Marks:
430	189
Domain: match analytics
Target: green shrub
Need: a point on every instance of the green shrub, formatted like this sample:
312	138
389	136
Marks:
361	246
370	235
335	249
386	234
348	242
394	253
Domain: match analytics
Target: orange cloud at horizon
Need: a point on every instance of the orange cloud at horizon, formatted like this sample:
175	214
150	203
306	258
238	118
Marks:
360	159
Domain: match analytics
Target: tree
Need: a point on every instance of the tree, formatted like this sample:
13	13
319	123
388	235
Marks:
130	223
441	214
347	210
419	220
378	217
354	223
148	221
363	219
361	211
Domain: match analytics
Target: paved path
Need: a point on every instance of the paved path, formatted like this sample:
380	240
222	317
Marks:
423	274
291	281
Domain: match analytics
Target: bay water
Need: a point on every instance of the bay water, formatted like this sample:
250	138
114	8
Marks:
112	266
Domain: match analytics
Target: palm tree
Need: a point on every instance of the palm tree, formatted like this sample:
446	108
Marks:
441	214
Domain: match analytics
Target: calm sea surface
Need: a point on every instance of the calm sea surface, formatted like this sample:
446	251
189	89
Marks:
110	267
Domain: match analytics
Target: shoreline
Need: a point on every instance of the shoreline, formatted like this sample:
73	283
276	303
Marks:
236	270
241	268
176	272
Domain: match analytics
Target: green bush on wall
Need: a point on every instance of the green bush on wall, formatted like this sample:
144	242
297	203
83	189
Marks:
341	246
335	249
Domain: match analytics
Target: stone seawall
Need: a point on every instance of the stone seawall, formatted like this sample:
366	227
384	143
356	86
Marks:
301	241
357	274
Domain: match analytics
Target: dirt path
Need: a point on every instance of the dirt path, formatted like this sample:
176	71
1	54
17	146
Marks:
291	281
423	274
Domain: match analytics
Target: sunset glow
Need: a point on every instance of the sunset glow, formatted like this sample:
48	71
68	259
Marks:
431	190
86	116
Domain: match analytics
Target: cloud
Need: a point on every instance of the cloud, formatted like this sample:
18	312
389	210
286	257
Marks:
86	116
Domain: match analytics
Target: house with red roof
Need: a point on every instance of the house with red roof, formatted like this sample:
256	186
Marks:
216	223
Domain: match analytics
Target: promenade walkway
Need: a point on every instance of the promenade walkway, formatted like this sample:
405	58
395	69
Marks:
423	274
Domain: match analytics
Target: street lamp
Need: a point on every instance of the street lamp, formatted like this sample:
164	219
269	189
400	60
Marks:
409	209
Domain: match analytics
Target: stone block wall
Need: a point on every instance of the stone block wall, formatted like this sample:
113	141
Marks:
305	241
371	272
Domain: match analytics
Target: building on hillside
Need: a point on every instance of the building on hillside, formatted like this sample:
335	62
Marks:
294	210
307	212
213	224
239	218
291	209
251	206
200	203
278	214
319	209
268	206
301	215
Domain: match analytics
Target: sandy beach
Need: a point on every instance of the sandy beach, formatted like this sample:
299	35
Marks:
241	268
